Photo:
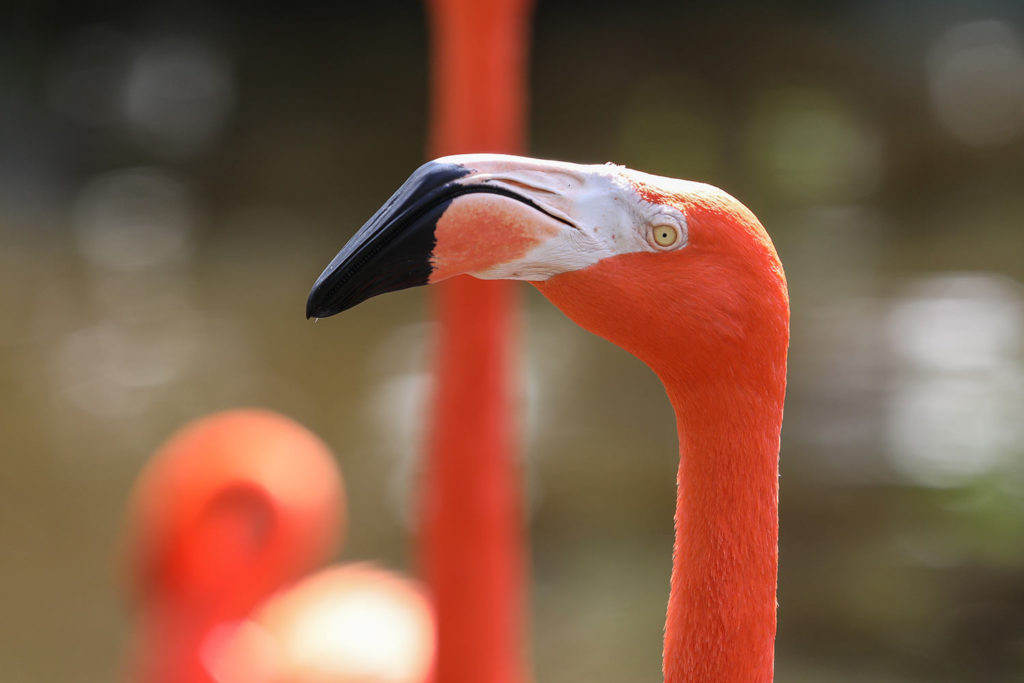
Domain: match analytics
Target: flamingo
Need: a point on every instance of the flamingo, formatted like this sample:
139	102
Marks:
470	536
679	274
227	521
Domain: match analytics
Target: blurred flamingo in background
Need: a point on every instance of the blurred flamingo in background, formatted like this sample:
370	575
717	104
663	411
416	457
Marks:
679	274
229	513
193	561
471	527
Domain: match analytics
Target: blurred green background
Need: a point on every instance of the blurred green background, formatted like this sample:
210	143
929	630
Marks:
173	177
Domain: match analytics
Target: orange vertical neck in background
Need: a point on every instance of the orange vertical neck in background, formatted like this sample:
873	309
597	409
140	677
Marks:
471	540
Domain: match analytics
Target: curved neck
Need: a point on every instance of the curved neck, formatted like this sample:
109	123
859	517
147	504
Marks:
716	334
721	614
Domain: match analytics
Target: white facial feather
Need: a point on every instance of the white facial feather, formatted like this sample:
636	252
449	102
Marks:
607	215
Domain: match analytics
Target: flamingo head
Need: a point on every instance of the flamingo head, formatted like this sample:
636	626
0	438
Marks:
659	266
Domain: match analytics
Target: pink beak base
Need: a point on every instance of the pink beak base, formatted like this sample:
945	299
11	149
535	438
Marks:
480	232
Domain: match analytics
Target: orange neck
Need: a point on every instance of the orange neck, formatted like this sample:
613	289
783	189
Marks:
718	342
472	534
721	613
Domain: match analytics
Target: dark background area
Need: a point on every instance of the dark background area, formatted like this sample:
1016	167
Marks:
173	177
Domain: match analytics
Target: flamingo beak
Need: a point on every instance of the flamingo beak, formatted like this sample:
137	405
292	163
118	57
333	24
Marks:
491	216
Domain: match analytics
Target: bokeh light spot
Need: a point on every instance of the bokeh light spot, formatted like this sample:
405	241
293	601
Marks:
957	402
976	82
177	96
809	145
132	219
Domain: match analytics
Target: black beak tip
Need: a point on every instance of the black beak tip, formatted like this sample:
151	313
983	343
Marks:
312	309
319	306
392	251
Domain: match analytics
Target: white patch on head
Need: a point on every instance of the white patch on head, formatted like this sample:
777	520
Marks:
603	213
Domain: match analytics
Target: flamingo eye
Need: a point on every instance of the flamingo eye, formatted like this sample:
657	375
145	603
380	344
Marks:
665	235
